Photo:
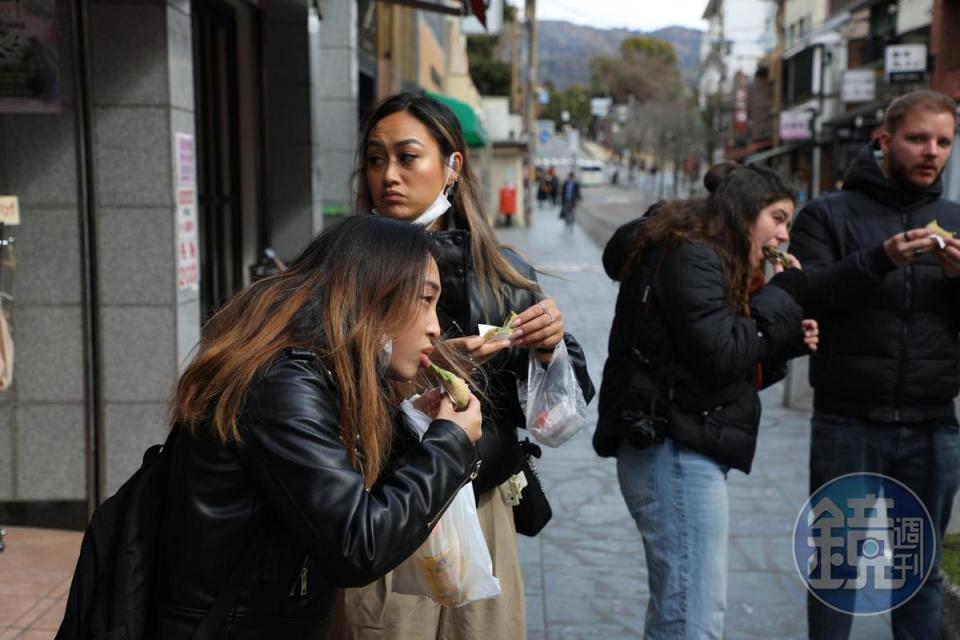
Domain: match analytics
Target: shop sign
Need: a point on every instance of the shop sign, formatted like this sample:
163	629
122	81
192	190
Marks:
795	125
9	210
905	63
859	85
29	57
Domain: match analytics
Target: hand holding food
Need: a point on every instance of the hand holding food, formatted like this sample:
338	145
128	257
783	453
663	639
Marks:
503	332
777	255
455	387
909	245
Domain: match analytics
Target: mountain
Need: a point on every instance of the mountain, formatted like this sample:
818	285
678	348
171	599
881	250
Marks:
564	50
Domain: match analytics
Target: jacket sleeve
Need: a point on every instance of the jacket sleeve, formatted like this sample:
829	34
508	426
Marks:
291	444
779	319
832	282
718	346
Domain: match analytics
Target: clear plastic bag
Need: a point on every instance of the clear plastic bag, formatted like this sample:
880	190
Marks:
453	567
552	399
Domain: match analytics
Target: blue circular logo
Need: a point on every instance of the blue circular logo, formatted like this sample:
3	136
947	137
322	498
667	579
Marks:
864	543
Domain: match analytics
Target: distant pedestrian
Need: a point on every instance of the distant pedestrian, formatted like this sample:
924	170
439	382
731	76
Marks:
569	199
887	376
554	186
689	348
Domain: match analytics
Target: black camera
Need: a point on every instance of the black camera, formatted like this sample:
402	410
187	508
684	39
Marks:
641	429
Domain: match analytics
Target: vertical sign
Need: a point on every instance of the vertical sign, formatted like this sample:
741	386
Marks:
9	210
29	56
187	238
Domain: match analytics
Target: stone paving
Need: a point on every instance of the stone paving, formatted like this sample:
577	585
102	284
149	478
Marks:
35	573
585	574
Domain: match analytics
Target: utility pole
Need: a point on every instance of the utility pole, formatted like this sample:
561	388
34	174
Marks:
531	18
516	88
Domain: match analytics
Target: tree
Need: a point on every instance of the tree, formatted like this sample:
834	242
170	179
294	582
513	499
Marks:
490	75
646	69
575	100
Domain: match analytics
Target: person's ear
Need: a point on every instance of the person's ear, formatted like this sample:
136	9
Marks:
455	164
885	138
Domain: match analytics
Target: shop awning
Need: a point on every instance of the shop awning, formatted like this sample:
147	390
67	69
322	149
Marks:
735	153
776	151
473	131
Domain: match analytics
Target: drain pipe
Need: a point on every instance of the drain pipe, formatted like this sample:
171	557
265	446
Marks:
86	191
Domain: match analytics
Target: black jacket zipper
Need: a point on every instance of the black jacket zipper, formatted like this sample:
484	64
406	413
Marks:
470	478
907	302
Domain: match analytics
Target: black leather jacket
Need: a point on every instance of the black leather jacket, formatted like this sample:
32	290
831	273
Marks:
290	496
463	305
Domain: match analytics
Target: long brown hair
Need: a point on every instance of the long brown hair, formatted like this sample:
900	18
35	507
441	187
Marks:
722	220
491	267
354	284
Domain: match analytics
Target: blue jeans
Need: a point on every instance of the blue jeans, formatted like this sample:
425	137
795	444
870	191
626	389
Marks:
925	459
679	501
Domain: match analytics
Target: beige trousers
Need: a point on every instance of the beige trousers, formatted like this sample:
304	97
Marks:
374	612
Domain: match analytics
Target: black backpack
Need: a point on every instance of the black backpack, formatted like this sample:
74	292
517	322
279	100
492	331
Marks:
111	591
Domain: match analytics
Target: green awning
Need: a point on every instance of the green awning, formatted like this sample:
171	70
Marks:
473	131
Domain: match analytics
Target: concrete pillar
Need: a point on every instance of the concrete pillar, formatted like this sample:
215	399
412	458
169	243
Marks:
142	68
338	91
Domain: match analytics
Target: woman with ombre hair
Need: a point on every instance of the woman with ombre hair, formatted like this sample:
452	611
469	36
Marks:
290	459
413	166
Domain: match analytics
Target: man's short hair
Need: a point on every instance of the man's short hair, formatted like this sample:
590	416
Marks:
916	100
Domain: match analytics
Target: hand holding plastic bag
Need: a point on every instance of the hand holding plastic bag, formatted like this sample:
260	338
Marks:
453	567
552	399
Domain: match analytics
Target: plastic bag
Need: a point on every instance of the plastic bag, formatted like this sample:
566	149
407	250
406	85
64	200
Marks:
552	399
453	567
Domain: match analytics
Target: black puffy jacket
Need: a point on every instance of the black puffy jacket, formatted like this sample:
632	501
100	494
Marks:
289	494
693	341
888	348
463	305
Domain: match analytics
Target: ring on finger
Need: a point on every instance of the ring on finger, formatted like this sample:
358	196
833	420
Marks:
543	307
550	315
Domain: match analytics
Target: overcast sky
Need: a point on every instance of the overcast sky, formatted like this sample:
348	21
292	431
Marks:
642	15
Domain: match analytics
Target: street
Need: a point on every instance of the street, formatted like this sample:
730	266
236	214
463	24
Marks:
585	574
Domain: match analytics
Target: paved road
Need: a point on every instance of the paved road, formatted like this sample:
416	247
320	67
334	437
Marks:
585	574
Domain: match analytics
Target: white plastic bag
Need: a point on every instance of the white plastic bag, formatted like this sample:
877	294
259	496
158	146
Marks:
552	399
453	567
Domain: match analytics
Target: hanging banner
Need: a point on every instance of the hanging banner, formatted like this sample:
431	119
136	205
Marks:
188	239
29	57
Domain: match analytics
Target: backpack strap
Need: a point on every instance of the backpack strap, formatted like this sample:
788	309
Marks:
647	300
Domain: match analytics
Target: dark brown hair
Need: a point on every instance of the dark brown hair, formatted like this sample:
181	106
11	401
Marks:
917	100
491	267
722	220
355	283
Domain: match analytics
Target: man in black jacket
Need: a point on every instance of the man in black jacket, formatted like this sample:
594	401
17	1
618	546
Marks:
888	367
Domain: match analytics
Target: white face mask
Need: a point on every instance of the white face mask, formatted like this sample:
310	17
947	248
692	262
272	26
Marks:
440	205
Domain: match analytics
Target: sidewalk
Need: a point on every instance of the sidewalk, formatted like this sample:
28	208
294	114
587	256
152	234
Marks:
585	574
35	572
